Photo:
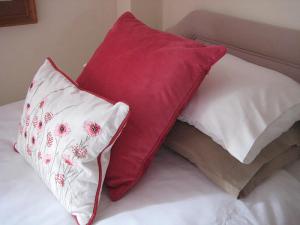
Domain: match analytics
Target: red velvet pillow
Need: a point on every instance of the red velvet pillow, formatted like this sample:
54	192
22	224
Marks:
156	73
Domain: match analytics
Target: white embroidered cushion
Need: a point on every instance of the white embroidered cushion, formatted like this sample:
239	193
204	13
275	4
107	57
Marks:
66	135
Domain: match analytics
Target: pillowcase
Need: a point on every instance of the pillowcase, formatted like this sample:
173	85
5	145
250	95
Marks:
243	106
66	135
156	73
217	164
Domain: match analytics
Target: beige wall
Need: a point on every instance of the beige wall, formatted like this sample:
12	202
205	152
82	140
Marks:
123	6
149	11
67	30
280	12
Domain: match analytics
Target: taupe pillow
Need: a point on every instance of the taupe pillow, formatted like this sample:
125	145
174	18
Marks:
233	176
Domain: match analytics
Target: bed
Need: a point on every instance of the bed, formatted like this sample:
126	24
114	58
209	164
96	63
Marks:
173	191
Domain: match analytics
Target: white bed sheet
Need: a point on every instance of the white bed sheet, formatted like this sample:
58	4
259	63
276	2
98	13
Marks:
173	192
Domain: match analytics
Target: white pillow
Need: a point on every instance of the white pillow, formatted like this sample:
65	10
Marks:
66	135
243	106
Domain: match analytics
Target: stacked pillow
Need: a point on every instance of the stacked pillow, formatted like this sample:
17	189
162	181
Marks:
248	112
66	133
223	169
244	107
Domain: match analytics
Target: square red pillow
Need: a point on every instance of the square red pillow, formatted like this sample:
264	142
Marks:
156	73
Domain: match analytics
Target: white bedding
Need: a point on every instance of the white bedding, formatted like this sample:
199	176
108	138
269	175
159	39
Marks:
173	192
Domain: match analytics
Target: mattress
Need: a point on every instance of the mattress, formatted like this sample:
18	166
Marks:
173	192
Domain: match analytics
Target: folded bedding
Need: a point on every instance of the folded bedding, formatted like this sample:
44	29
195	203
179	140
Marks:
242	117
231	175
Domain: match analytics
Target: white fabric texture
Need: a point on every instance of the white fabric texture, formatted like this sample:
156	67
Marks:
62	132
173	192
243	106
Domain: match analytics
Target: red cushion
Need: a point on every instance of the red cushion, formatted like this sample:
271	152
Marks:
156	73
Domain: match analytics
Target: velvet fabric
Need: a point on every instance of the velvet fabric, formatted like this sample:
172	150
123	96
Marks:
156	73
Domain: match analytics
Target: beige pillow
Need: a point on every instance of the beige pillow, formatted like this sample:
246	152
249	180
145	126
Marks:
233	176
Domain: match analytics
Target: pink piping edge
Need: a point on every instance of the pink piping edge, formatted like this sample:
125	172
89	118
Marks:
76	84
120	129
15	149
99	187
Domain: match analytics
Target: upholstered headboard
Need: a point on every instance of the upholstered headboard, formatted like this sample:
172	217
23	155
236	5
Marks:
277	48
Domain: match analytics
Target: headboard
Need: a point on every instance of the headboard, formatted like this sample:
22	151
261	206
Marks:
277	48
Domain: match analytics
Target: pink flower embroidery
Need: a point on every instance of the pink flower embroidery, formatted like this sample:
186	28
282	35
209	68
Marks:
47	158
29	151
40	125
49	139
40	155
27	120
68	160
35	121
62	129
79	152
48	117
92	128
33	140
60	179
42	104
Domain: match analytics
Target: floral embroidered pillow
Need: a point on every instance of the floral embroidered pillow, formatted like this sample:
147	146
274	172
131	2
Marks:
66	135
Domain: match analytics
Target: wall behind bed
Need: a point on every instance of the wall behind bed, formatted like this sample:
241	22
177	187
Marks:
67	30
278	12
149	11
